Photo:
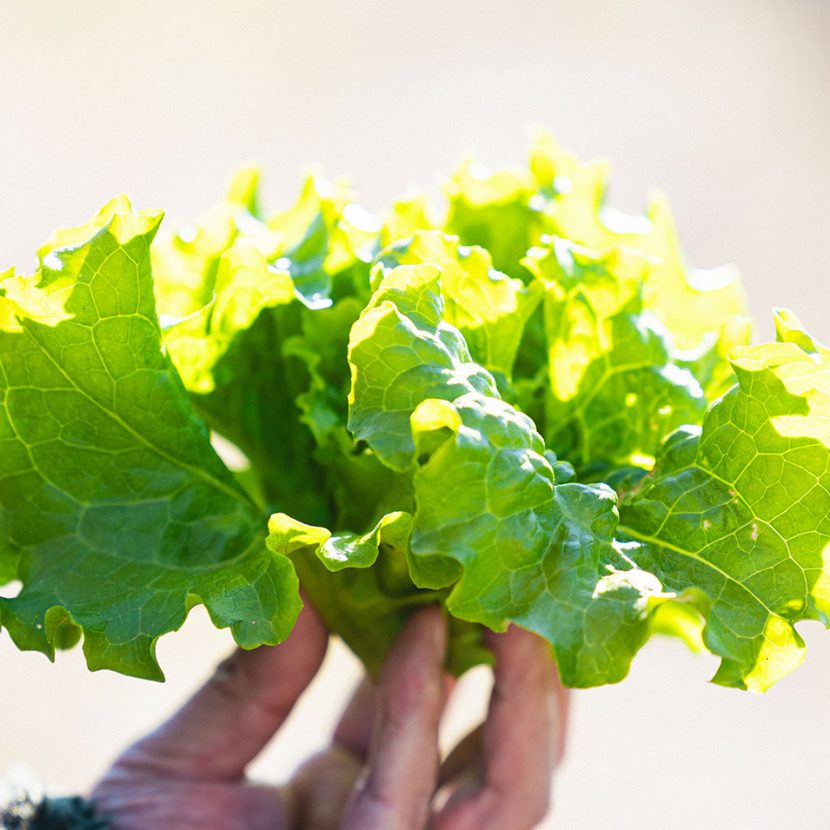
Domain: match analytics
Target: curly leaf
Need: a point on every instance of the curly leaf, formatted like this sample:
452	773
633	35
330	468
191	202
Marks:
401	352
491	522
740	509
488	308
361	587
279	298
496	211
615	384
113	505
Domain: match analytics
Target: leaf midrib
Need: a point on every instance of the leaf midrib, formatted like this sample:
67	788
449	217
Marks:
197	472
654	540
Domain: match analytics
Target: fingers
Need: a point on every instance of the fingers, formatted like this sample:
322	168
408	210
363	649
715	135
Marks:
520	741
321	788
354	731
229	720
323	785
518	738
403	758
465	759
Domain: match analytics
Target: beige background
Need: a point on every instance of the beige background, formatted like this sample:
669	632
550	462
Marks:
722	104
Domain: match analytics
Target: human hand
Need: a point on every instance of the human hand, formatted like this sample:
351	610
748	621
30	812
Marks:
382	770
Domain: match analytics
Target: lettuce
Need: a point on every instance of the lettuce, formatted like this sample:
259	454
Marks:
520	404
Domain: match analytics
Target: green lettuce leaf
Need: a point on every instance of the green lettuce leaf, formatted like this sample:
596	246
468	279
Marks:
402	352
491	521
615	386
499	211
691	303
362	588
514	209
738	512
407	216
115	513
185	263
231	358
488	308
522	405
261	356
323	235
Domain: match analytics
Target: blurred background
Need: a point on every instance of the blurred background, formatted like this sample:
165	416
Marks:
722	105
